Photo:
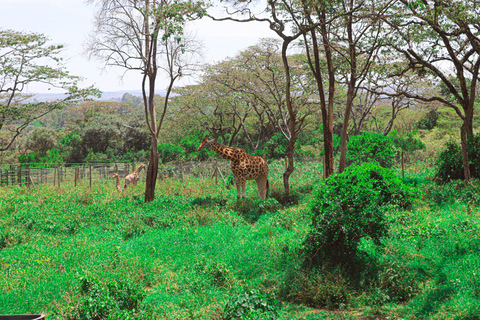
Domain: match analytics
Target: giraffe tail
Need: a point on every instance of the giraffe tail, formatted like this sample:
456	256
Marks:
268	187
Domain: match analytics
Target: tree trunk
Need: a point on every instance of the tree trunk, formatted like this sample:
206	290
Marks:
350	93
152	172
293	119
343	138
464	134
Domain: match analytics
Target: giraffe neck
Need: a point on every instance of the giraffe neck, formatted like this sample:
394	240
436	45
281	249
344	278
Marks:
118	180
226	152
137	170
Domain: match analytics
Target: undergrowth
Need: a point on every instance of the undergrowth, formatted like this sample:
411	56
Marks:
197	252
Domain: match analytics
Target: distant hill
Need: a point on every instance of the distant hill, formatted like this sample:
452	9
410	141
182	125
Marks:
115	96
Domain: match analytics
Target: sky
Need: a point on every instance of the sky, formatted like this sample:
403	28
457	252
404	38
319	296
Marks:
69	22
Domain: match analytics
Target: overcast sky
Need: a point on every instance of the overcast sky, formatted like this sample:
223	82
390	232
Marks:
68	22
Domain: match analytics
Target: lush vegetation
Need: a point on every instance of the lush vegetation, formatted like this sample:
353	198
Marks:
198	253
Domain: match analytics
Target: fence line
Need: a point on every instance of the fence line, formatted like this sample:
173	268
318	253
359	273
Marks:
58	174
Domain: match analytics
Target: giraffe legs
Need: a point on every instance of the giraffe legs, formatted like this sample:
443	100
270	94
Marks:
240	182
262	184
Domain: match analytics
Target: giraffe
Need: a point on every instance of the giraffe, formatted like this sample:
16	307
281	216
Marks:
133	177
117	184
244	166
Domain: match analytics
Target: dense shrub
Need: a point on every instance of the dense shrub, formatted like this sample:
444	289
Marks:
406	142
251	305
449	161
116	299
350	206
317	288
170	152
253	209
276	146
453	191
372	148
429	121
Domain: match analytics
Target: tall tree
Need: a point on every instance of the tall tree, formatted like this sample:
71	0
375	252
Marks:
283	20
356	33
146	36
440	38
26	59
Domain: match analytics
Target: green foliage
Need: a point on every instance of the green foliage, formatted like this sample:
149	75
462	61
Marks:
408	142
252	209
43	65
449	161
372	148
454	191
170	152
351	206
317	288
276	146
252	304
116	299
429	121
188	252
395	283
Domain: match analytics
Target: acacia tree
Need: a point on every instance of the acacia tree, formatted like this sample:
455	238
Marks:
25	59
146	36
352	33
211	107
439	38
257	75
286	21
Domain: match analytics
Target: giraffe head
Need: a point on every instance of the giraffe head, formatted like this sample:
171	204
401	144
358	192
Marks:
142	166
206	142
115	175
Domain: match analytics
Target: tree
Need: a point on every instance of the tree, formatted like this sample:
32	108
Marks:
438	39
283	21
26	59
147	36
256	77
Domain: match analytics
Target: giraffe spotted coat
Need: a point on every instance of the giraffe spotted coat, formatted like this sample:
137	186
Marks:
133	177
117	183
244	166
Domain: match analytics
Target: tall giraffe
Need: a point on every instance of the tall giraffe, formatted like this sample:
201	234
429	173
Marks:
117	184
244	166
133	177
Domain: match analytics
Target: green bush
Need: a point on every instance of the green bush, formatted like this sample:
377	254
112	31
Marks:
429	121
407	142
317	288
276	146
351	206
109	300
372	148
251	305
170	152
253	209
449	161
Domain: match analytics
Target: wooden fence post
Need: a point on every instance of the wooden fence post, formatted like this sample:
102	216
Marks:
76	176
181	171
19	175
215	171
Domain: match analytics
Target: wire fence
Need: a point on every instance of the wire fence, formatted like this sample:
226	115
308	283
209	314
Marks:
32	174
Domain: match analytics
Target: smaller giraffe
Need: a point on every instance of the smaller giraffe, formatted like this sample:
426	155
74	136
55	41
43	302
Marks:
117	184
133	177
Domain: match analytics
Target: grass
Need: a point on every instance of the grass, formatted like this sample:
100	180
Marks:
94	253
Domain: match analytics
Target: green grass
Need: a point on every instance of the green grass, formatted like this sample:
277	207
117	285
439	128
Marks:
75	253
